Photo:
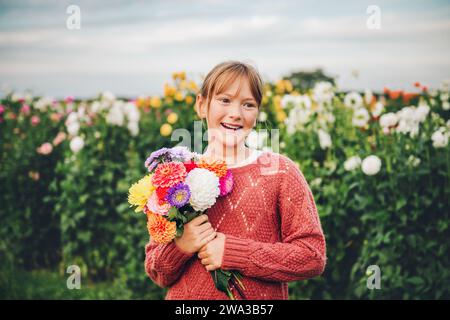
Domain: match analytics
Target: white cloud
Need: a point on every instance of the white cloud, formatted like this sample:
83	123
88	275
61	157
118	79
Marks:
414	44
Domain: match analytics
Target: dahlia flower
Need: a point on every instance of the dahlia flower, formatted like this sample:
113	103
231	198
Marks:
352	163
226	183
219	167
139	193
155	206
371	165
190	165
168	174
160	229
161	193
204	186
324	139
440	138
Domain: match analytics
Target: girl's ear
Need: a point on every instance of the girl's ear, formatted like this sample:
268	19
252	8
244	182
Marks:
200	107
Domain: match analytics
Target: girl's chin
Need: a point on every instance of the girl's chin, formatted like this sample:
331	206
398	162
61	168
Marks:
230	140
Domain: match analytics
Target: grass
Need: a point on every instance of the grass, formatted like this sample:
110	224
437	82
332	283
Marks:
46	284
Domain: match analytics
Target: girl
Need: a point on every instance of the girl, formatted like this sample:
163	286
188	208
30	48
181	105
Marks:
267	228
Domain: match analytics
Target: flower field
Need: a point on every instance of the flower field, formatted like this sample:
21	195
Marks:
377	163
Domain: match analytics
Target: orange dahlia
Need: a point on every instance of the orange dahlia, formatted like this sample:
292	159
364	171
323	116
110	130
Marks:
169	174
219	167
160	229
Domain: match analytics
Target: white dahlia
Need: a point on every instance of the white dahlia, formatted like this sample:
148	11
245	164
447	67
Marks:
440	138
389	119
324	139
352	163
377	109
353	100
371	165
360	117
323	92
204	187
262	117
76	144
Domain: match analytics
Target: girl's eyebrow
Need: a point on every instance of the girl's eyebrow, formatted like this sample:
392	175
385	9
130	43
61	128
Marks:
229	95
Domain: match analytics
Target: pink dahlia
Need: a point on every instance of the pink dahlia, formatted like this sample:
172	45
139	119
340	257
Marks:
226	183
154	205
169	174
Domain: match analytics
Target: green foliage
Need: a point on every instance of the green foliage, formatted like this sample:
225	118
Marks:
305	80
396	219
28	229
76	212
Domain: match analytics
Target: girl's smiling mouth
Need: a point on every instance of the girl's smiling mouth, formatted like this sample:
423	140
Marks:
230	126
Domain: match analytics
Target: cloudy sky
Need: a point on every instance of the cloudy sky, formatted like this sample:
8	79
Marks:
132	47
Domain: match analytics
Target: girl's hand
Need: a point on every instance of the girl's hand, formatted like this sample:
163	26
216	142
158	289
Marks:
196	234
211	254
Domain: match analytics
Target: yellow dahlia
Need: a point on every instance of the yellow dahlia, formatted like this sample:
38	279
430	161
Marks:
140	191
172	118
165	130
155	102
219	167
160	229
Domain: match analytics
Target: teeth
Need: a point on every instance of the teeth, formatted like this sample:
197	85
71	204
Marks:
231	127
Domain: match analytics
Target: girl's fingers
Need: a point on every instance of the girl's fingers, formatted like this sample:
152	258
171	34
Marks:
199	220
207	233
210	267
206	261
204	227
207	239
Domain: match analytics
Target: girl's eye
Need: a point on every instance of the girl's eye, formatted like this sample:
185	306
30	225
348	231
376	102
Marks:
226	101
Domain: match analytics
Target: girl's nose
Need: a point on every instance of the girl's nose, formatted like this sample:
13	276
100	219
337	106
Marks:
234	111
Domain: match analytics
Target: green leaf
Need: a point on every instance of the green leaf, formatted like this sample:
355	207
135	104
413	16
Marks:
221	279
415	281
190	216
400	203
180	230
173	213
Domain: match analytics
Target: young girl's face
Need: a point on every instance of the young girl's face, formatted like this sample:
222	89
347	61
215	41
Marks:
232	114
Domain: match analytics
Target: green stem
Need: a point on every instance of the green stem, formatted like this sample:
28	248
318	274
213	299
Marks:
448	179
429	165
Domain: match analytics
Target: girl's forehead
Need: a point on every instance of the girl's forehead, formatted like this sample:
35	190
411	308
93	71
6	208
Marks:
235	86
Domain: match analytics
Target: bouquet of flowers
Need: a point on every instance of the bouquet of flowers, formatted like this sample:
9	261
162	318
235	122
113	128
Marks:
180	186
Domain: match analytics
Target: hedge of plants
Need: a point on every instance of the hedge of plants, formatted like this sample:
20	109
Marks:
378	165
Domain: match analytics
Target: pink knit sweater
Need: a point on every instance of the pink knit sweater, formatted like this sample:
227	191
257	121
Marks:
273	235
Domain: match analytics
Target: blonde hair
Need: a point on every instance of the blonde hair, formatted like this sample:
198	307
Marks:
225	73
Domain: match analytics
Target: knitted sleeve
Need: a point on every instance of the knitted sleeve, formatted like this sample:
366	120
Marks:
164	263
301	253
